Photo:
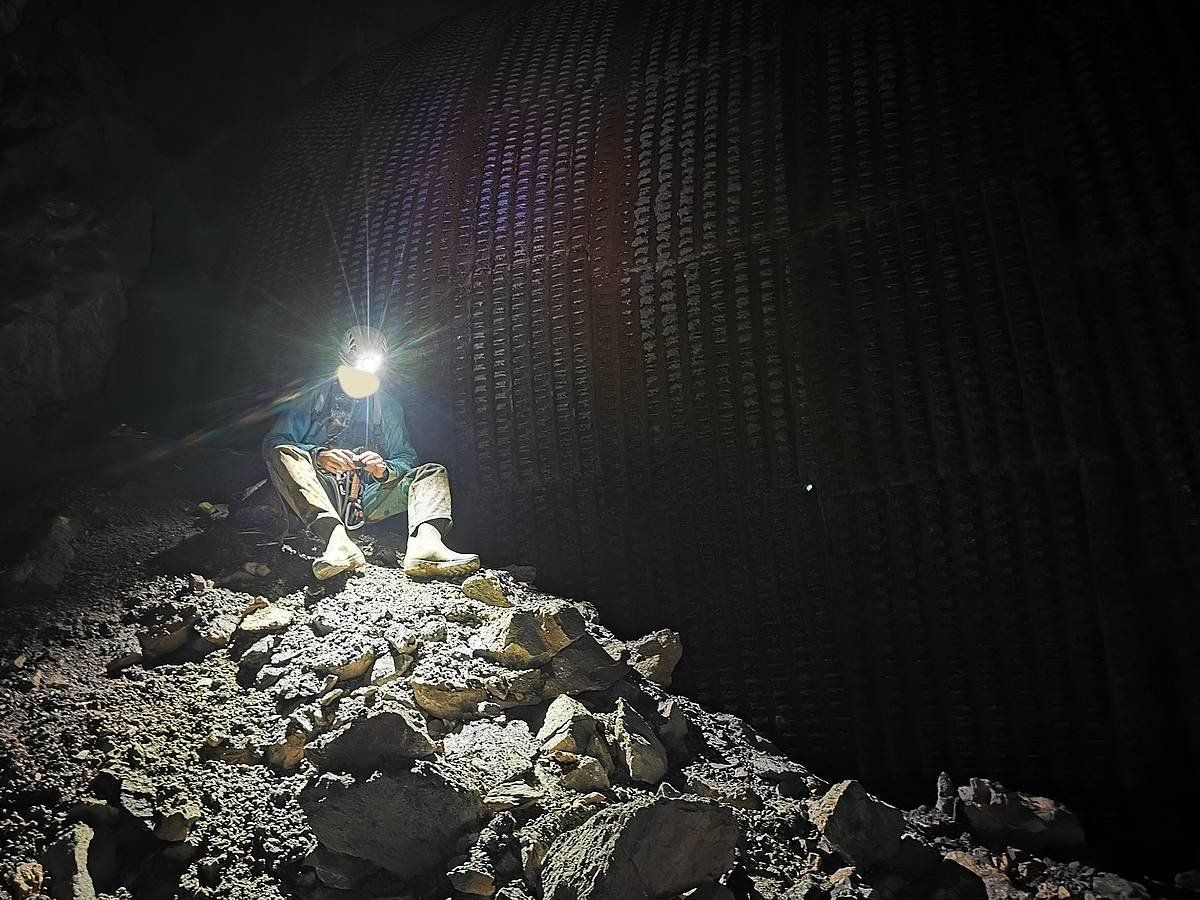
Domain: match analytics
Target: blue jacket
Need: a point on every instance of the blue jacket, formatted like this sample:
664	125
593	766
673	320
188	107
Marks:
302	423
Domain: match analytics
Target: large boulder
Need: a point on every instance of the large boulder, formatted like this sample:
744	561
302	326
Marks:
649	848
861	827
385	737
1013	819
407	823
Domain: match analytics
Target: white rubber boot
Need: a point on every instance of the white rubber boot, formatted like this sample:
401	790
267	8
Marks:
427	557
341	555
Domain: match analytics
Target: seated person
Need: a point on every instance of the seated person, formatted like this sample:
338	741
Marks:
339	456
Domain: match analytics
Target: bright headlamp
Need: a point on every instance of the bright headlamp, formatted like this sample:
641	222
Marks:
369	362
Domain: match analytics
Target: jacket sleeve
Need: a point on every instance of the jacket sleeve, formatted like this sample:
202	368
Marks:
397	449
292	425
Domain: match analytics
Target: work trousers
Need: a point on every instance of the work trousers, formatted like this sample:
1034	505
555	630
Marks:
423	492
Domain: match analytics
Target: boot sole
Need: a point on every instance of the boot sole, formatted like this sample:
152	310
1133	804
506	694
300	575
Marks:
335	569
429	568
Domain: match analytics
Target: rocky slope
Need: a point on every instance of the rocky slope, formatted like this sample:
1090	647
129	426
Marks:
184	713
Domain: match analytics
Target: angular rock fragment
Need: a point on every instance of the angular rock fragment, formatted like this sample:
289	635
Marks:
587	775
485	589
389	667
640	754
1019	820
224	750
26	880
524	639
484	754
672	726
268	676
286	754
175	822
66	862
792	778
648	848
131	792
407	823
295	685
847	882
345	656
267	620
583	666
339	871
385	737
656	655
730	791
171	629
517	687
473	879
511	795
947	796
447	699
258	654
217	631
861	827
568	726
403	641
995	884
1114	887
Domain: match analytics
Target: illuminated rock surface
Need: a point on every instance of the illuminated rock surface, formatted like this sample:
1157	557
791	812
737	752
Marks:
284	765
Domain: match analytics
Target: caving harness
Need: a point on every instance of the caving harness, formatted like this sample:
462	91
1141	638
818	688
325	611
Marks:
345	488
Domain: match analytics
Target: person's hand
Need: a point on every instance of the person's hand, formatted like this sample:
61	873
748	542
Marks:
373	463
336	461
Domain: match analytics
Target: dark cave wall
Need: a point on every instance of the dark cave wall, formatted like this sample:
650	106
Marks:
115	191
663	266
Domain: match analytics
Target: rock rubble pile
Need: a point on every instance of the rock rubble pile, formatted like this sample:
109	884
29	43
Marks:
383	738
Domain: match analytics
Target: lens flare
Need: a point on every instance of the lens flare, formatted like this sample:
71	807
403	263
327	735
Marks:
368	362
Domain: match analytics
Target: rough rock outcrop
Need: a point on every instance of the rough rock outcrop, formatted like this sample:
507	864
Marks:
1019	820
408	823
641	850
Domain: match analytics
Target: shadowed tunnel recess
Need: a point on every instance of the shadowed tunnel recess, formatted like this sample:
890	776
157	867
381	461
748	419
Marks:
857	342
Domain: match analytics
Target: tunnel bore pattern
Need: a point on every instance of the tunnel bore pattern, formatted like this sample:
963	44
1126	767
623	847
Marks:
856	341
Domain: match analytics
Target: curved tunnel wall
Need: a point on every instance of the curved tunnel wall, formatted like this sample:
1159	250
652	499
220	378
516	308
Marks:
672	263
